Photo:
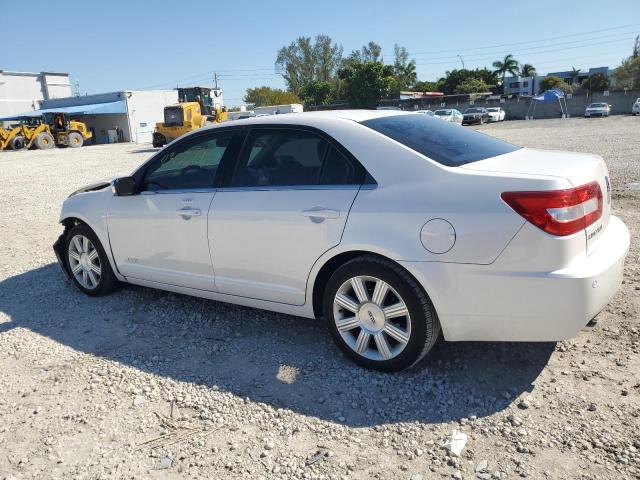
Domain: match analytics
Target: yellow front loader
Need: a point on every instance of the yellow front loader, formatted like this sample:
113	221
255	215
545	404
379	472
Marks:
196	109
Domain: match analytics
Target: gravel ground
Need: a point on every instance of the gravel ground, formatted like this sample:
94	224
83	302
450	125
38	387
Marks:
147	384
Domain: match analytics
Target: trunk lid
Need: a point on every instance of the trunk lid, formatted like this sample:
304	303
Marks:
577	168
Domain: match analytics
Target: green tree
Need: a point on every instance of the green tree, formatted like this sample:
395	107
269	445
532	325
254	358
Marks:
369	53
598	82
304	61
627	75
428	86
472	85
574	74
551	82
318	93
528	70
403	68
366	83
636	47
262	96
506	65
453	78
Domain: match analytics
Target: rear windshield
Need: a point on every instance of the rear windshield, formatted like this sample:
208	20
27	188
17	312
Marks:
443	142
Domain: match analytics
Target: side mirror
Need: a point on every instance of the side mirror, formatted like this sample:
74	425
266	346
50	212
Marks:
124	186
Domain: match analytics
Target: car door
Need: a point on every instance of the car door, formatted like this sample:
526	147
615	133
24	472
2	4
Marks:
286	204
160	234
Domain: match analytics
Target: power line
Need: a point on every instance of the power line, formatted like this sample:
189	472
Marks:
538	52
458	50
536	47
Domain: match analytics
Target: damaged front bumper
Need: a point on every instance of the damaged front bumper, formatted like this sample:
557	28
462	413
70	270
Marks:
58	249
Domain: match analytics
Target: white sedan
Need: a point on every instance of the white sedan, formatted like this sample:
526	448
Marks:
635	109
395	227
598	109
449	115
496	114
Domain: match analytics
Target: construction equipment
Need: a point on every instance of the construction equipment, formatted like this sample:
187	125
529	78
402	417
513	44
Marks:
10	138
27	132
66	132
199	106
44	132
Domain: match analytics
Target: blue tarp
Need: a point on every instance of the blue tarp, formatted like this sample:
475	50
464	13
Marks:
90	109
549	96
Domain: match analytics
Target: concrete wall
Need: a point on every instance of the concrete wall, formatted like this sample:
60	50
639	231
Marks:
145	108
516	108
21	92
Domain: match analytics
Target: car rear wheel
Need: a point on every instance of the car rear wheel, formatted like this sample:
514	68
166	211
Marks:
87	262
379	315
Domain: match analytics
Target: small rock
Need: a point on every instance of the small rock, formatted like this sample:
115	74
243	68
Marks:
482	466
524	404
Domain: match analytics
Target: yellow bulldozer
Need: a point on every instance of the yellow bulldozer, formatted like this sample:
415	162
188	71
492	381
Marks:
197	107
44	132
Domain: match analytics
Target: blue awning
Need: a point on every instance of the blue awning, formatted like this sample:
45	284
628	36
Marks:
90	109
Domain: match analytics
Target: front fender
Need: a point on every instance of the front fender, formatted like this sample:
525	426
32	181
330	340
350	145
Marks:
91	209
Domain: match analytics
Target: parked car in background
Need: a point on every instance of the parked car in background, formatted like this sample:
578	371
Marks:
598	109
363	223
496	114
425	112
635	110
449	115
475	115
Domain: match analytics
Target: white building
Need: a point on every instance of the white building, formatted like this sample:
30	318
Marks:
135	113
522	85
23	91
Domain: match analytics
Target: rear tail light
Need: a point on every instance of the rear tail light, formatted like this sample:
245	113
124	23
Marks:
559	212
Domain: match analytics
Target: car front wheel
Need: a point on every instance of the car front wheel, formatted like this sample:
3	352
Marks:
379	315
87	262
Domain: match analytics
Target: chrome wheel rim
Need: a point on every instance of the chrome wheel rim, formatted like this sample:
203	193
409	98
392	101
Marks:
84	262
372	318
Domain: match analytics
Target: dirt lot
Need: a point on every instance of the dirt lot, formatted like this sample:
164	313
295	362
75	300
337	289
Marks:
85	382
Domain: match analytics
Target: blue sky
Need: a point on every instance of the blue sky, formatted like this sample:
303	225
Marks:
129	45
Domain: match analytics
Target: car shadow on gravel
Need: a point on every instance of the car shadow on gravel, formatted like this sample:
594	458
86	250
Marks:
280	360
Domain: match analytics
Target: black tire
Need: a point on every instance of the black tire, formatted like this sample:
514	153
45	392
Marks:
159	140
107	281
18	142
75	140
44	141
425	327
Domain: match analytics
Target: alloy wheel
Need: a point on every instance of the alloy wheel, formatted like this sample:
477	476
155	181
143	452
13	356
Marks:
372	318
84	262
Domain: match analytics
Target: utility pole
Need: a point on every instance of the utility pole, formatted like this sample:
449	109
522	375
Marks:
77	88
215	81
461	61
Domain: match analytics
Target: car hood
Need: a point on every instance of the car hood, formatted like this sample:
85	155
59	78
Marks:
94	186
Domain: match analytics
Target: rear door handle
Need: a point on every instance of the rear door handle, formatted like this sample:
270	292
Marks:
189	212
320	213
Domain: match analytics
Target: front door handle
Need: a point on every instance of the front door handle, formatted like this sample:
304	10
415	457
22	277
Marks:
318	214
189	212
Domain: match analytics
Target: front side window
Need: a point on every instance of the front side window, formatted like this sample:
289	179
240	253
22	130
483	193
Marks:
188	165
442	142
289	158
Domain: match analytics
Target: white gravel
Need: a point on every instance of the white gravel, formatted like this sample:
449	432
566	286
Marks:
85	382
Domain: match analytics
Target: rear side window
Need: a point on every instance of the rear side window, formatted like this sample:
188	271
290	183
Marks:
443	142
292	157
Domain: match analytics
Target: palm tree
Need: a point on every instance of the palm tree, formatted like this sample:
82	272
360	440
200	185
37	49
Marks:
573	74
508	65
528	70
